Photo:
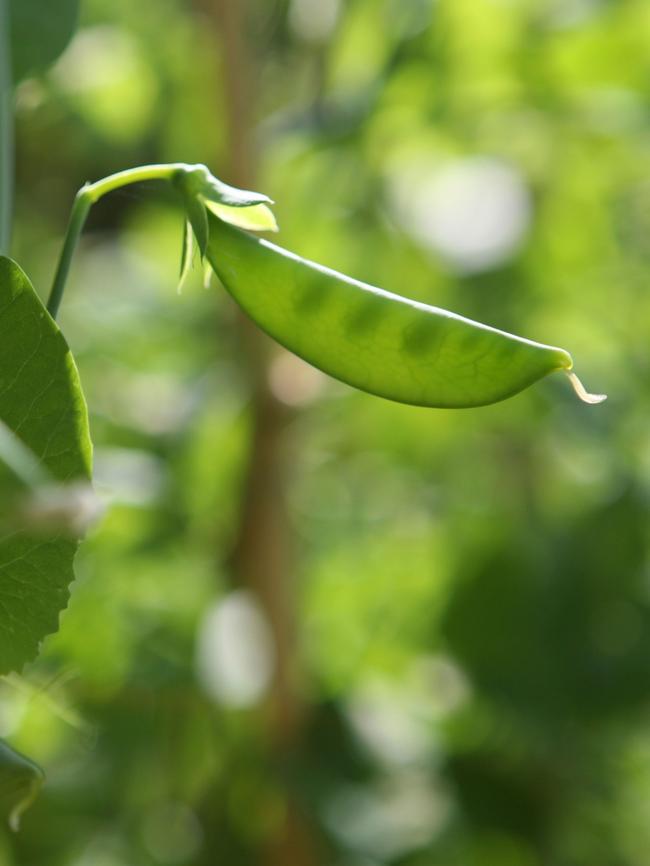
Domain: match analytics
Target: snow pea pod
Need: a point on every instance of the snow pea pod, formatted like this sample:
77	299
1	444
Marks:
372	339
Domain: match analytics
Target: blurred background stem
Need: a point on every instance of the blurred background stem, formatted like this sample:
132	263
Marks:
262	558
6	131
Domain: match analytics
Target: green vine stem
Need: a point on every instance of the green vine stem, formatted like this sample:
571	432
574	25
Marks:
6	131
85	198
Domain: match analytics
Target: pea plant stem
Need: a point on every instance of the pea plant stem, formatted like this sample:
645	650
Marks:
85	198
6	131
82	205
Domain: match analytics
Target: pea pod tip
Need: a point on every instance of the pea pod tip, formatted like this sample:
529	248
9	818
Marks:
582	392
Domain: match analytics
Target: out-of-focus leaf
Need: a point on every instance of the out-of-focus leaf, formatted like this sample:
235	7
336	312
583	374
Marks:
20	782
40	30
42	403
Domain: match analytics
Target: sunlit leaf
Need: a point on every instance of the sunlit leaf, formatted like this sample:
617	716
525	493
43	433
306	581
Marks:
30	497
187	252
42	403
213	189
19	468
198	219
257	218
239	207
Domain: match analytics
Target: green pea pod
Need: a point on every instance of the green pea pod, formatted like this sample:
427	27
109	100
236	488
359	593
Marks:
372	339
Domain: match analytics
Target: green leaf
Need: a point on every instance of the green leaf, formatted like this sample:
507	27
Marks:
30	498
19	468
42	403
20	782
239	207
186	253
198	219
199	180
257	218
40	30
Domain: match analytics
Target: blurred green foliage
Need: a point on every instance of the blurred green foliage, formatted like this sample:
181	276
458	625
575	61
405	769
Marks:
472	635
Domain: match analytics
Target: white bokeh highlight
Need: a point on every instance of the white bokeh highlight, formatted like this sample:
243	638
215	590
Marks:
235	656
314	20
473	213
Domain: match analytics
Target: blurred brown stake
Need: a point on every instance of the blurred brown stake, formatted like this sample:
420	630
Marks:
262	556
